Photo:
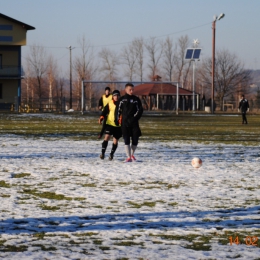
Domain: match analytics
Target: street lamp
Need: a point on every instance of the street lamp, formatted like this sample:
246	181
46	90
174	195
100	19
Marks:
213	58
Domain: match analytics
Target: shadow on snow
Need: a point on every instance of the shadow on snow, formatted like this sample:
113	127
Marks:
228	218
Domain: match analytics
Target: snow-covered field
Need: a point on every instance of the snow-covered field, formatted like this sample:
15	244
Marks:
60	201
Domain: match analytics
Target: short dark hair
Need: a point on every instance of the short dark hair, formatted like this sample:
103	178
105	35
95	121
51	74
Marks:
107	88
129	85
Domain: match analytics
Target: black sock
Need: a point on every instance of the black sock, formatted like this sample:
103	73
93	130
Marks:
114	146
104	147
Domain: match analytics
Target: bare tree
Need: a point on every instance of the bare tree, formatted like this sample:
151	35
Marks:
154	49
129	58
138	44
27	82
168	58
110	61
84	63
85	68
182	66
60	87
230	75
38	66
52	74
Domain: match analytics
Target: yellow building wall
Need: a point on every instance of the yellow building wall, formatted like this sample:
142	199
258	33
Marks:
9	90
18	33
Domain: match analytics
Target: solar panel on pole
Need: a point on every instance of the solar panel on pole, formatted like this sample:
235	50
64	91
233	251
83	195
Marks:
196	54
189	54
193	54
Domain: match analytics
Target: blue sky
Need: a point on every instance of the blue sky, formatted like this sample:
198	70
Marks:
113	23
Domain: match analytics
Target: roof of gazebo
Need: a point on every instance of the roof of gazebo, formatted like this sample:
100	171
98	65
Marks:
147	89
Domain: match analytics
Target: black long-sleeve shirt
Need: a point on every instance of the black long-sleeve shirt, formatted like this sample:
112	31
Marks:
243	105
130	108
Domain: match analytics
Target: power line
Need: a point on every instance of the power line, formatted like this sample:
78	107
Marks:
160	36
122	43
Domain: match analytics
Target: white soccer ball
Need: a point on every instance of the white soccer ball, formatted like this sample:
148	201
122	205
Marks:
196	162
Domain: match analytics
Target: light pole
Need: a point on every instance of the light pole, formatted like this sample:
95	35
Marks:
213	58
193	54
195	45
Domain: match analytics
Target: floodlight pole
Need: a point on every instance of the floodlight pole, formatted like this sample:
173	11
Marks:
213	65
213	59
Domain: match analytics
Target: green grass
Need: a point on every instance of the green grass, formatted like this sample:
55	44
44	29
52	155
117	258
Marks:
202	242
91	185
3	184
139	205
21	175
50	208
165	127
2	242
128	243
5	196
194	242
173	204
86	234
46	195
39	235
97	242
12	248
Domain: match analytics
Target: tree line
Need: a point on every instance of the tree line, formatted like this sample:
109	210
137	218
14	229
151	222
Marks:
139	60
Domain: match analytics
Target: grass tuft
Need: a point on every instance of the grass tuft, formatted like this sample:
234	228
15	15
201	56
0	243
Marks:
139	205
46	195
21	175
3	184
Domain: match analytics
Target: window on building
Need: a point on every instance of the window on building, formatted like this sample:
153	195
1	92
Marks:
0	61
6	27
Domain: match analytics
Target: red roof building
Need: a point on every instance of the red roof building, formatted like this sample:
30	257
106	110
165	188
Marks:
159	95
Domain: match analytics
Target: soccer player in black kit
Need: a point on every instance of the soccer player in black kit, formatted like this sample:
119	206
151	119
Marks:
128	112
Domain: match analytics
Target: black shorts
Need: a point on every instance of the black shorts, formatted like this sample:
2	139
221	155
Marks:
132	131
113	130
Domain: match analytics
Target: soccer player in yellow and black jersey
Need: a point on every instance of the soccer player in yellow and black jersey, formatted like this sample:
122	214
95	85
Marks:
103	101
110	127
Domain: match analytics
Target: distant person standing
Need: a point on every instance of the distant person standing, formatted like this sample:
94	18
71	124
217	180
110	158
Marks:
103	101
128	112
243	107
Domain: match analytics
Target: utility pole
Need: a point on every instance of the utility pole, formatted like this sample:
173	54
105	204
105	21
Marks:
213	65
70	49
213	59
